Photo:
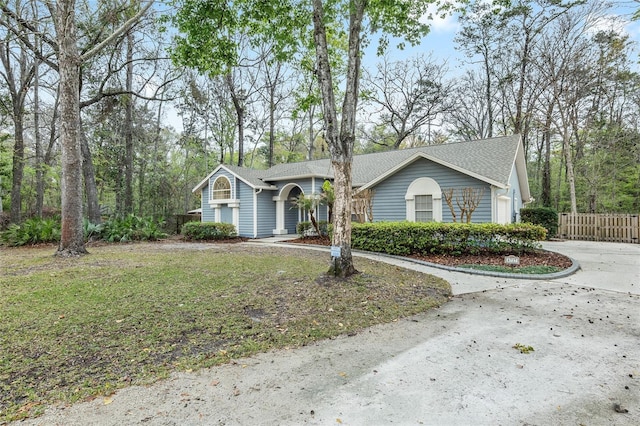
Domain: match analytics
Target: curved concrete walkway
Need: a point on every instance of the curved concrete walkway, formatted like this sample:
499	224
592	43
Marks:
609	266
455	365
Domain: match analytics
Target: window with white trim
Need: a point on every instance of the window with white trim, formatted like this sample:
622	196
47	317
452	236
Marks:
424	208
221	189
424	201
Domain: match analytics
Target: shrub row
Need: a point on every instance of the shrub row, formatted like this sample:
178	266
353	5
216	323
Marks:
32	231
208	231
543	216
407	238
306	229
129	228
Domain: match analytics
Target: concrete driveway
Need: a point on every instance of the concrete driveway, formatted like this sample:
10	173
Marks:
456	365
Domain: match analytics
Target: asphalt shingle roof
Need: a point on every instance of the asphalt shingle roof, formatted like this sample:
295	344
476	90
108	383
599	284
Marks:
251	176
491	159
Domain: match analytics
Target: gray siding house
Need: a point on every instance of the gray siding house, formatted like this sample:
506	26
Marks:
408	185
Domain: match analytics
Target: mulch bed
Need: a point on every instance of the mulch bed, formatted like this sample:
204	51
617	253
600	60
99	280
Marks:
537	258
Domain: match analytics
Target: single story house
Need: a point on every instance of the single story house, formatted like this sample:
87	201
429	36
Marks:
410	184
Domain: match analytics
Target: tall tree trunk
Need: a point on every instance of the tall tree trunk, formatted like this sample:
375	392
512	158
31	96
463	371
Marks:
128	131
238	103
517	124
569	164
489	98
89	174
342	265
38	139
340	141
72	237
17	85
272	122
546	167
15	212
312	145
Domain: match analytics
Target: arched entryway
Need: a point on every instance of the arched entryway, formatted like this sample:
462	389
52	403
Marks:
287	217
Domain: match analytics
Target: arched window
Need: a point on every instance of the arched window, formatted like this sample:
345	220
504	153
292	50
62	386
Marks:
221	189
424	201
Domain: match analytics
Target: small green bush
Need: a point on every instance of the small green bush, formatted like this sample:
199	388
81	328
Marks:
305	229
32	231
543	216
407	238
92	231
208	231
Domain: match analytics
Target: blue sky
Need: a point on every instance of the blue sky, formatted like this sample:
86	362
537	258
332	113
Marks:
440	41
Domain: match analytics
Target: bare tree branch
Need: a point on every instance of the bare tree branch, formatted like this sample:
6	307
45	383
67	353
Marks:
117	33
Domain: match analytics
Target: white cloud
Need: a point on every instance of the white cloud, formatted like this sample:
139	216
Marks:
440	21
607	23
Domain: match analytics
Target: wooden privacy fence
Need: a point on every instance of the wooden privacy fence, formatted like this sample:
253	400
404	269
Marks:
621	228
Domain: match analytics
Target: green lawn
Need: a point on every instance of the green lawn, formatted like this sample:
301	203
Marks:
71	329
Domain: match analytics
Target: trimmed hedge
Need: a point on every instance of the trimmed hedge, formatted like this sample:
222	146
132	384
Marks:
407	238
306	229
543	216
208	231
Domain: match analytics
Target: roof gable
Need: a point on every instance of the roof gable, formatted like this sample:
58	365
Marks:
489	160
249	176
426	156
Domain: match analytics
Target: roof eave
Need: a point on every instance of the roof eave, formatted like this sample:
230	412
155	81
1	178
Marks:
303	176
204	181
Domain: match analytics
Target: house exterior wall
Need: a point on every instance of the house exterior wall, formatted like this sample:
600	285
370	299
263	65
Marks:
245	195
389	202
226	213
264	211
266	214
291	217
207	212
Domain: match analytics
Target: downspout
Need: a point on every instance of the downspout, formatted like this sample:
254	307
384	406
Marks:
255	212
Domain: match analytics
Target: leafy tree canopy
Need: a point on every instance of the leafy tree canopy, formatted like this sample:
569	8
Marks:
209	31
